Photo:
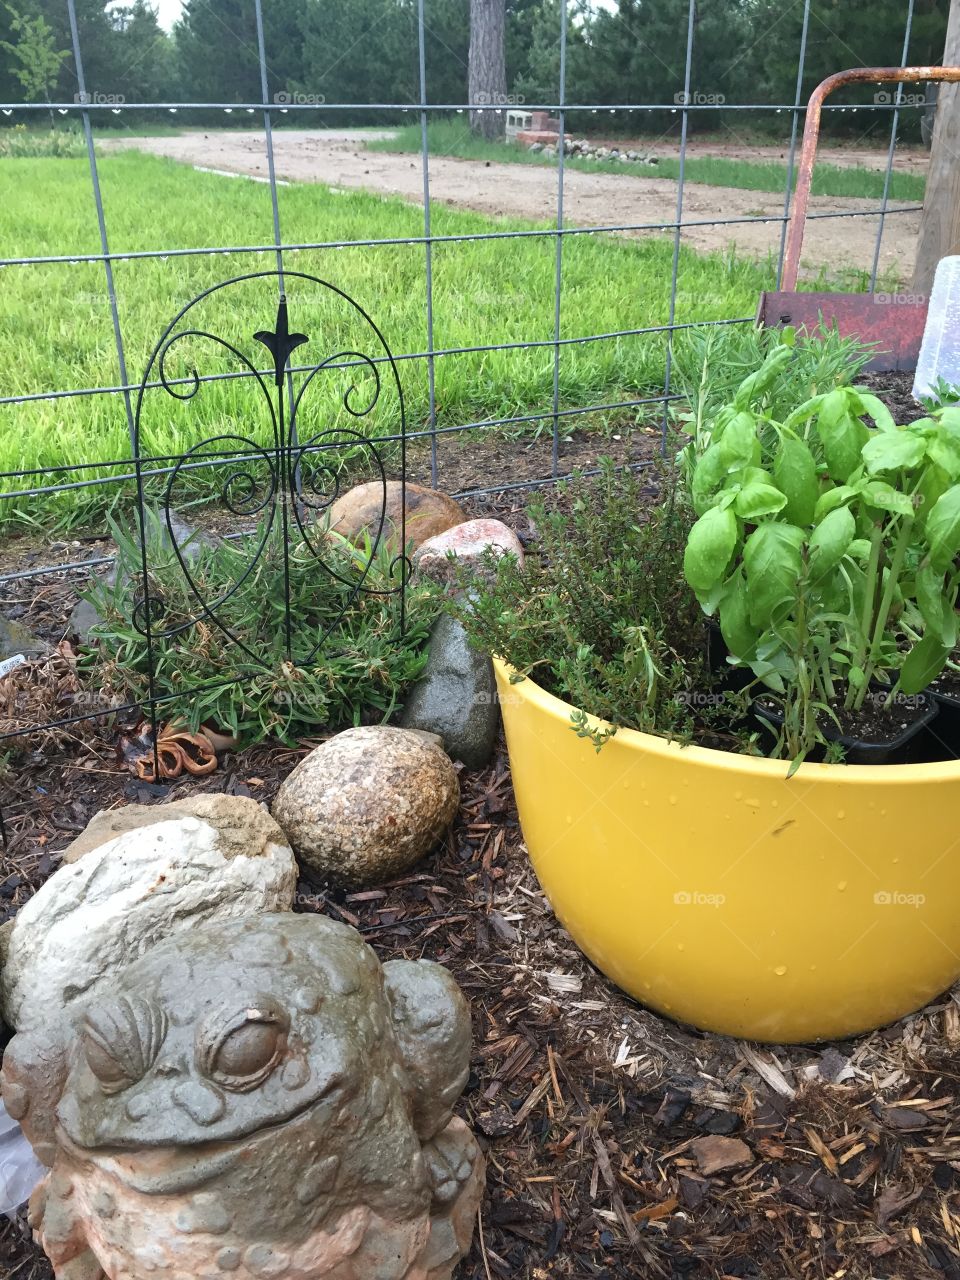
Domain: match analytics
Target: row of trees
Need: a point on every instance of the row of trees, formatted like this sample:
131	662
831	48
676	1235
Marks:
353	51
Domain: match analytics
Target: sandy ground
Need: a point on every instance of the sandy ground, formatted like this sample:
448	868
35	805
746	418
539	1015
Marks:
339	158
908	158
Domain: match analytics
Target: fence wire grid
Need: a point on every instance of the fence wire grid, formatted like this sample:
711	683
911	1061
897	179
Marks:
87	108
137	466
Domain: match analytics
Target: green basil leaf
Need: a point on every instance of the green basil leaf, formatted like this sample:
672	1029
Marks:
803	412
877	493
739	445
937	611
842	435
757	383
710	545
943	529
874	406
710	598
838	496
795	473
945	452
891	450
756	500
738	634
755	475
934	482
773	655
772	563
707	477
830	540
922	664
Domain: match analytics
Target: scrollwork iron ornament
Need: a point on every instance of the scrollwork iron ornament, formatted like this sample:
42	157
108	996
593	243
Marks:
285	483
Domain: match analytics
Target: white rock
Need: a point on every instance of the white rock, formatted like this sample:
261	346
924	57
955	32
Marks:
468	543
214	858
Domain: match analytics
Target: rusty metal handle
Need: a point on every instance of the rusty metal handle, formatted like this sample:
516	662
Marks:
811	136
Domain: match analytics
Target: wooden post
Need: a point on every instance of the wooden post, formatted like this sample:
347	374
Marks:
940	220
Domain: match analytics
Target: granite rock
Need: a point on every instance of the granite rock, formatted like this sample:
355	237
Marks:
466	545
367	804
369	508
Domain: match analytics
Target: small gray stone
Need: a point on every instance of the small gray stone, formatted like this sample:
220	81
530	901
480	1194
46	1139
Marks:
15	638
86	616
457	696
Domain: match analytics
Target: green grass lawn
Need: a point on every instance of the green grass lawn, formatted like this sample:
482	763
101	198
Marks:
453	138
58	333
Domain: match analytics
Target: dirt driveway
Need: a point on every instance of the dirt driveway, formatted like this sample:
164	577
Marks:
339	158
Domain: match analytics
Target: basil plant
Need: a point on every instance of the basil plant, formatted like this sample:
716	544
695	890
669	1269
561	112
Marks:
826	547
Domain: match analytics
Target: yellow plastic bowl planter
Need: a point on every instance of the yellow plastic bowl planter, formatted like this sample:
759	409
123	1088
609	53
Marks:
719	892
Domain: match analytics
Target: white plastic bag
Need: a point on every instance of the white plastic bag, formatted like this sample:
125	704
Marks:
939	357
20	1170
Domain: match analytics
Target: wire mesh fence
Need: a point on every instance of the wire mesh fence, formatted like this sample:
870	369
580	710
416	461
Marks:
142	469
89	106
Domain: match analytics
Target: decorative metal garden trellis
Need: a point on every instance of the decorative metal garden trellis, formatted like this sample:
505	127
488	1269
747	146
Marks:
288	497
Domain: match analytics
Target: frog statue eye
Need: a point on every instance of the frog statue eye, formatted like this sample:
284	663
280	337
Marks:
121	1039
239	1048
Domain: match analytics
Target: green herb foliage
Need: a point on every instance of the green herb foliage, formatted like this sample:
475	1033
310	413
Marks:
23	143
600	614
826	545
359	674
711	365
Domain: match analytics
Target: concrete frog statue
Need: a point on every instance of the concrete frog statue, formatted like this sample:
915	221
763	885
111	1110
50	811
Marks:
258	1098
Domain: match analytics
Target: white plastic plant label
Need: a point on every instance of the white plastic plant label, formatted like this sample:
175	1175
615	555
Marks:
938	367
11	664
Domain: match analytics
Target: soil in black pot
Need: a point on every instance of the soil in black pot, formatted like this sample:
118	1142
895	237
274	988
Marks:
945	691
879	733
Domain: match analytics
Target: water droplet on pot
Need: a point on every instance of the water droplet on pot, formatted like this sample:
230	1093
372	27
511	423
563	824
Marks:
780	970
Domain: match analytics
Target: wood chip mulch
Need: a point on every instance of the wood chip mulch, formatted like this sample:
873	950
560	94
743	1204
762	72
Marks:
619	1144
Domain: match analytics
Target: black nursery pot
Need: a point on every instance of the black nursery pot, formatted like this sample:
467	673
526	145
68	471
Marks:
947	732
916	744
733	678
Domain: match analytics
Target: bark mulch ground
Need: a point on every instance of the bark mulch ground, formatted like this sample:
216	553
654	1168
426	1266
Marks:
619	1144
